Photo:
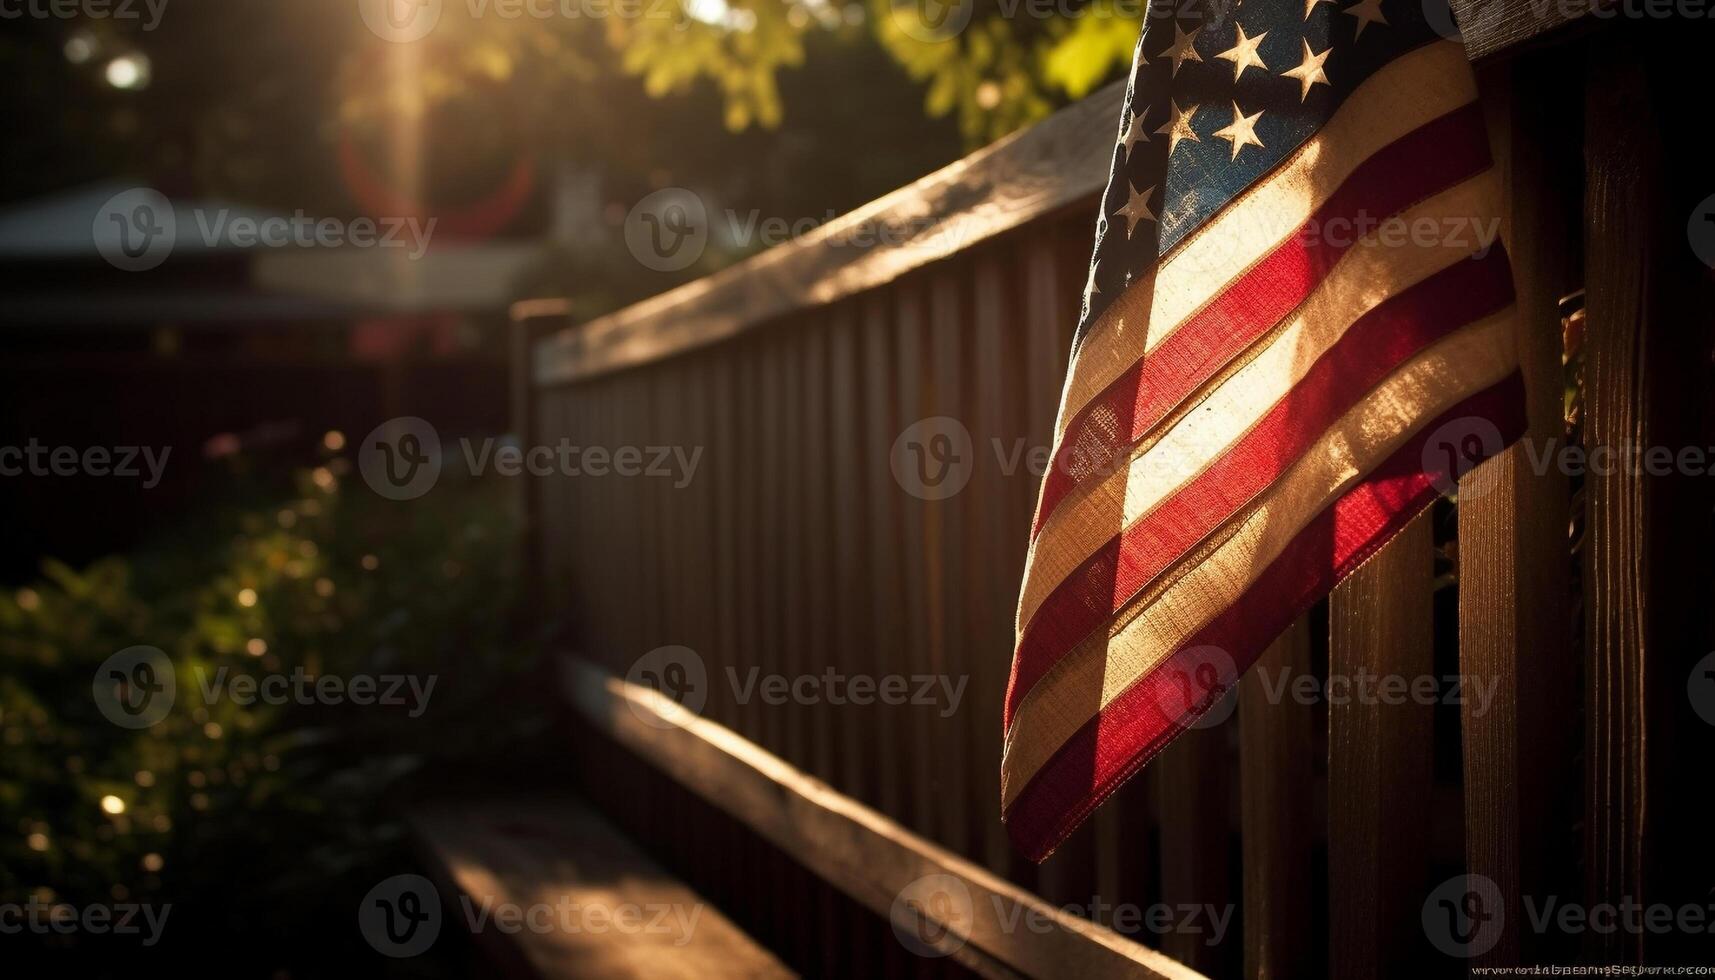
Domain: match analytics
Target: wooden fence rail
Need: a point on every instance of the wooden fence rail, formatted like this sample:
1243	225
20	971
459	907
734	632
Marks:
806	544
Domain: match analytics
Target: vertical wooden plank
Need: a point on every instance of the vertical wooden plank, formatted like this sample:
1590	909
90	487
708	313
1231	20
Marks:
697	547
1276	767
1380	761
817	530
1519	743
627	527
573	603
583	531
887	618
557	500
651	597
666	517
573	534
945	531
1192	785
773	654
723	461
768	478
797	657
921	644
632	521
795	539
540	512
847	527
749	600
1646	362
847	763
528	405
995	551
1679	866
731	578
603	528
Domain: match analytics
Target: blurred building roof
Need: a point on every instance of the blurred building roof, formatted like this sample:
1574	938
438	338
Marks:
53	271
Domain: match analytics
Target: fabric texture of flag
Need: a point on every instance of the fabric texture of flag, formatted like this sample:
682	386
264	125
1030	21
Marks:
1297	332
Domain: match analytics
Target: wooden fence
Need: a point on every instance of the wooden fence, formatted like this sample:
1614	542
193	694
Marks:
795	550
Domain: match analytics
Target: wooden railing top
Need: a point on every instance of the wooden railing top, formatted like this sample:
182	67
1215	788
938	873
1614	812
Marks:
1059	162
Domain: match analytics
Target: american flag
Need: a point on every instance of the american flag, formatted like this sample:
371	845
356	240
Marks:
1296	332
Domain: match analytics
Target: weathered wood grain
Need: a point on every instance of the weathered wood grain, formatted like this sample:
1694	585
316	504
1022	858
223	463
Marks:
862	852
1380	762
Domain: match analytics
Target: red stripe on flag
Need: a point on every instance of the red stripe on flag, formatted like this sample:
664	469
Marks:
1438	155
1375	345
1118	741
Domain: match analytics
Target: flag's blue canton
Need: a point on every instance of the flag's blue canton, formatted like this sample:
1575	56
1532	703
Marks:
1202	176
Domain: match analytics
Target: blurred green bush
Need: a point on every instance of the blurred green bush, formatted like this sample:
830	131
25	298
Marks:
262	825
